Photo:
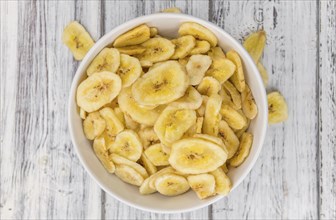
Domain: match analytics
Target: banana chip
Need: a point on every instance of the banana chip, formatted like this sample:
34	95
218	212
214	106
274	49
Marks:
203	184
238	78
97	90
93	125
183	46
172	10
128	145
233	117
243	151
131	50
201	47
209	86
107	60
196	68
135	36
255	43
198	31
223	183
128	175
77	39
153	31
277	108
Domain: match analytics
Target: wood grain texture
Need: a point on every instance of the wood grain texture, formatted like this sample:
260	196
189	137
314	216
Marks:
40	174
327	99
284	177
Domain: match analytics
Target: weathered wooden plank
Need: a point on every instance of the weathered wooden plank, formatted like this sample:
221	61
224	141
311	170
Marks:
327	116
283	183
41	176
79	196
8	81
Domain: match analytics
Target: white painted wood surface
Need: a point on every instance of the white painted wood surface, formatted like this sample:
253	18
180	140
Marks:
42	178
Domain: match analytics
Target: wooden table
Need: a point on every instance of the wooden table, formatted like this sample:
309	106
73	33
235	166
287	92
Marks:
41	176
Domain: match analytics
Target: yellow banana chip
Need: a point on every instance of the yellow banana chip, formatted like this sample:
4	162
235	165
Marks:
255	43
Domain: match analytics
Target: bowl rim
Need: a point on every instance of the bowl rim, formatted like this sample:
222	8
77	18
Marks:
144	19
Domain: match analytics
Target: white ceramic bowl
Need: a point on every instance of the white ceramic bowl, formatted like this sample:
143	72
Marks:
168	24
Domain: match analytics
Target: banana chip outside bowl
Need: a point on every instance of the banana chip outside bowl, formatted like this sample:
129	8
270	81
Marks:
167	24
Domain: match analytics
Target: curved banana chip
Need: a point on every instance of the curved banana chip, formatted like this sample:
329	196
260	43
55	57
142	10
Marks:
108	138
233	117
77	39
196	68
128	175
94	125
243	151
224	168
161	85
195	156
172	10
99	147
235	95
82	113
183	45
201	47
129	106
199	124
98	90
195	128
148	137
213	139
153	31
146	64
250	108
221	68
238	78
128	145
240	132
192	99
122	160
120	115
227	99
113	125
203	184
254	44
157	49
145	189
135	36
229	138
171	184
184	61
223	182
113	104
129	69
209	86
149	166
216	54
201	110
156	155
107	60
131	50
153	177
198	31
173	123
212	115
130	123
277	108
